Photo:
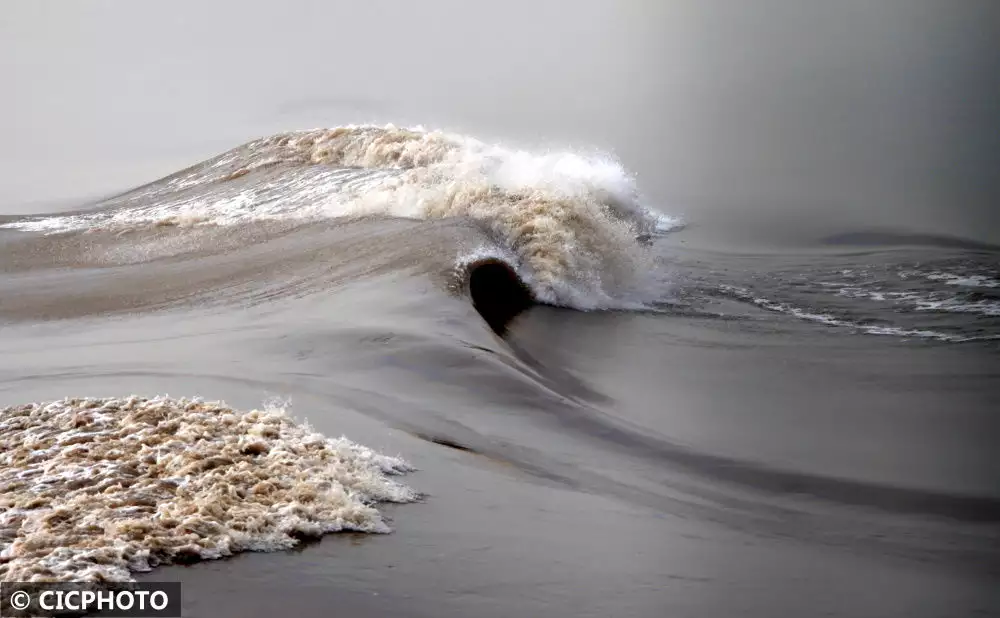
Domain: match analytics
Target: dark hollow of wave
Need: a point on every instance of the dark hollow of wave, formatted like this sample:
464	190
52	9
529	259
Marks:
497	293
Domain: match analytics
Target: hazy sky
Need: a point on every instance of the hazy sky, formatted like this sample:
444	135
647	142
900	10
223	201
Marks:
853	113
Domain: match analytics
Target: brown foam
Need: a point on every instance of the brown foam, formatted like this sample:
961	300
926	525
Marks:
95	489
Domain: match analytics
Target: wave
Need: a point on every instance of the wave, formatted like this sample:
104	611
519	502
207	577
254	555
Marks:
571	225
950	278
968	290
96	489
931	301
746	295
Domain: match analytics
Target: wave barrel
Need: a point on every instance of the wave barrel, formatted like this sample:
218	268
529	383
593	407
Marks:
497	293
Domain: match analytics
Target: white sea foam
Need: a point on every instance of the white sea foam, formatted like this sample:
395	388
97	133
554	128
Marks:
830	320
973	281
955	305
927	301
96	489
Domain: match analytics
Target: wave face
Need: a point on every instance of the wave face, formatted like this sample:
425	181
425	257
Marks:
96	489
567	223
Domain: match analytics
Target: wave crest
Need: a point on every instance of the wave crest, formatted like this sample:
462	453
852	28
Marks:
570	221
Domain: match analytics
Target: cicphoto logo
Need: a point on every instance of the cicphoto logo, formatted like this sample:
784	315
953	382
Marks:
123	600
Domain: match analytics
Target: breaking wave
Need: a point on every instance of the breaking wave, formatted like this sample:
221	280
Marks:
96	489
570	225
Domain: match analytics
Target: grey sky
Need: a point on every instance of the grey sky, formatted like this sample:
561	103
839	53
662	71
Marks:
854	112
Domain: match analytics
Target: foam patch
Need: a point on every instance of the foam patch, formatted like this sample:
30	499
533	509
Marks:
97	489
